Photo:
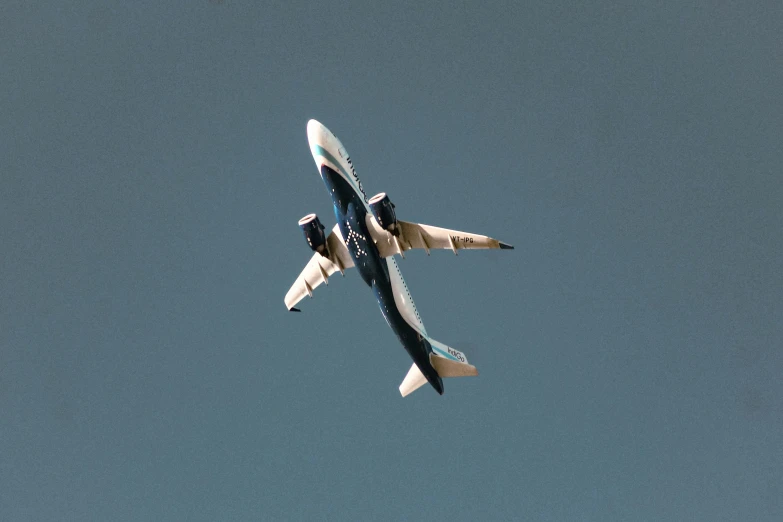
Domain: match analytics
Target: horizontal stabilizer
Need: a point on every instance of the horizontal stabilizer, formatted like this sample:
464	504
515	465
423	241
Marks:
413	381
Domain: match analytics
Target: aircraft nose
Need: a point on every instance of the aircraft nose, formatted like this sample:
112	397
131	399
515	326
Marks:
315	132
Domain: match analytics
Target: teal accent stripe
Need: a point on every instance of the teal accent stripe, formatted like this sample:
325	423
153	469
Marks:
323	152
444	354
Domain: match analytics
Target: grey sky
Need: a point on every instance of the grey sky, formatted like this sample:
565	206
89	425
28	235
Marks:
154	163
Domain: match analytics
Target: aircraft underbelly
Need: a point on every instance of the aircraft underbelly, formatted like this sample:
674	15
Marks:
351	212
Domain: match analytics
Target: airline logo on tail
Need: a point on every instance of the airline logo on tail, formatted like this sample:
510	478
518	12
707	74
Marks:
455	353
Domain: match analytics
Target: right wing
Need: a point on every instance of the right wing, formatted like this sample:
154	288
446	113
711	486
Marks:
319	269
427	237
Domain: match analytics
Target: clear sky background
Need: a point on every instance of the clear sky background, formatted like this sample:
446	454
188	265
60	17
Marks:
154	164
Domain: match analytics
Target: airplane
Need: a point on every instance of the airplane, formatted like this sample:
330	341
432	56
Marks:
367	236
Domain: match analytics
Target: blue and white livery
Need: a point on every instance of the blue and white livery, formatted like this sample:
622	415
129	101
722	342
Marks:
367	236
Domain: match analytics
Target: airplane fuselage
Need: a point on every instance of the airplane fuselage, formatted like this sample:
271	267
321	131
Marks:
351	212
369	237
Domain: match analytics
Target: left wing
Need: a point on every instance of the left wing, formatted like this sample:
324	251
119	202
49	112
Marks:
426	237
319	269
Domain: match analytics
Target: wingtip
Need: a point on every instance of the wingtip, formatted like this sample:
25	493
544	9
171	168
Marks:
294	309
505	246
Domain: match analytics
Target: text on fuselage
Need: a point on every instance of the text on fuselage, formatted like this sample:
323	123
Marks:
355	177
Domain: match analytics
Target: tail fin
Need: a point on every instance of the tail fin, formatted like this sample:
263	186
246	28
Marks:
449	362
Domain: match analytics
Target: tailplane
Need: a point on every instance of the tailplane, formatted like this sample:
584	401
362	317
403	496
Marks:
413	381
446	361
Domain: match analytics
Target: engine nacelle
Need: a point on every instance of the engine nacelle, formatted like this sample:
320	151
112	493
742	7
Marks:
383	211
314	234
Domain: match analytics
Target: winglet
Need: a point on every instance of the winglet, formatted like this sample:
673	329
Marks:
505	246
294	309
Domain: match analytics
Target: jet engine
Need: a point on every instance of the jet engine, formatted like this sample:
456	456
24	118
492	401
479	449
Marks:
314	234
383	211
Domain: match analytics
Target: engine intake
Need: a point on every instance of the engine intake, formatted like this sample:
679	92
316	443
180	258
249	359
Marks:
383	211
314	234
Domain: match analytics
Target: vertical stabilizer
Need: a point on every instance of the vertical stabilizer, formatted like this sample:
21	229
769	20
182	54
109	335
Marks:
449	362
